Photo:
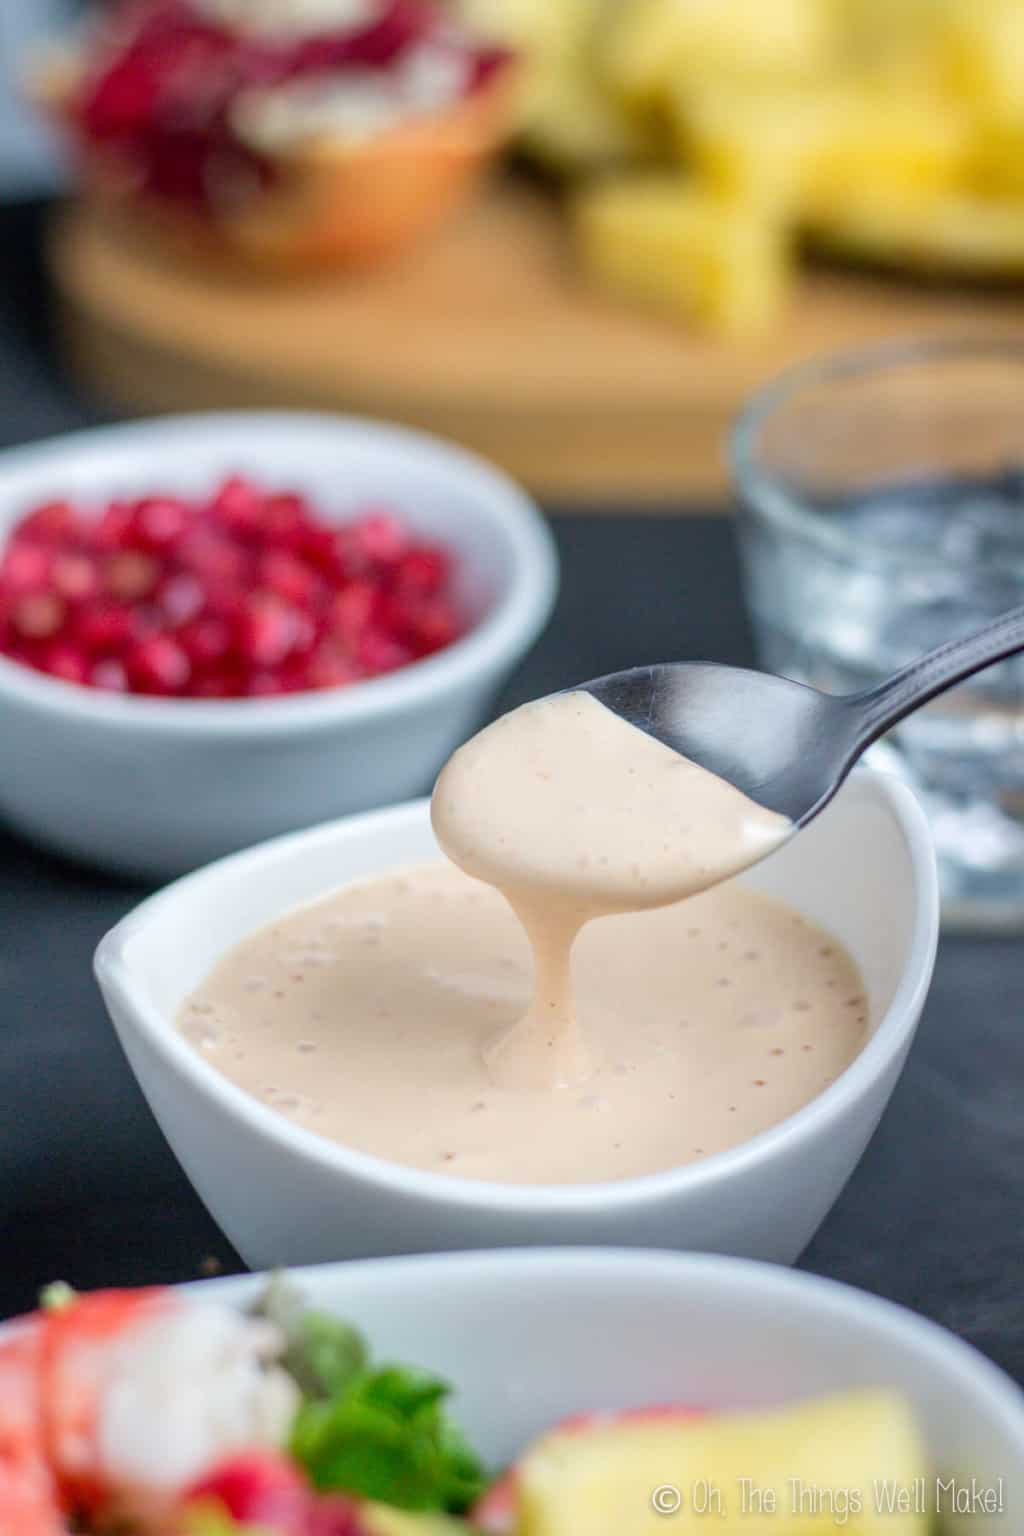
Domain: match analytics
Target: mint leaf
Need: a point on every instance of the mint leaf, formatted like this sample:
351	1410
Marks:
388	1438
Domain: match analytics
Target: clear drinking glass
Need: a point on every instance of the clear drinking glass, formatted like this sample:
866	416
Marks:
883	513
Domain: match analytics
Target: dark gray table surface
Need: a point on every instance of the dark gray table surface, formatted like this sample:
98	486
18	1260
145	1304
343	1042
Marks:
89	1190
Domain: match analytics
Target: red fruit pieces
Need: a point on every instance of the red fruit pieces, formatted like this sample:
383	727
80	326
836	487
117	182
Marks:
158	664
157	99
258	1488
244	593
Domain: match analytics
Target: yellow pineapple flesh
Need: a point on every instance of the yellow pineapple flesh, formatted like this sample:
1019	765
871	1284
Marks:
833	1464
665	243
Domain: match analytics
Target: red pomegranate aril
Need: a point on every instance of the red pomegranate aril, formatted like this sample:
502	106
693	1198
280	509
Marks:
422	572
379	653
244	593
434	625
130	575
112	530
104	626
353	609
38	616
108	674
158	664
207	640
75	577
218	685
284	521
181	598
215	560
158	523
51	523
289	578
67	662
269	630
25	567
381	538
331	666
238	506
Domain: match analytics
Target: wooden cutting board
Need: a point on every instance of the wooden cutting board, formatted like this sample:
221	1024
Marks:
487	336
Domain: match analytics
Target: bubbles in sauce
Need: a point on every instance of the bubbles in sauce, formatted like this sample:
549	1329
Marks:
553	1010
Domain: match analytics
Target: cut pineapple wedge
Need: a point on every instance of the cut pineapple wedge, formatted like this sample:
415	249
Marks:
963	235
651	47
661	241
800	152
833	1464
981	45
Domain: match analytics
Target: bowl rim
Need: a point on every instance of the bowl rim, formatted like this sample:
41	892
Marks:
515	619
892	1035
768	497
523	1268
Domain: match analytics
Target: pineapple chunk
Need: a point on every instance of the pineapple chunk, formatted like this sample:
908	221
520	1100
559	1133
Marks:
651	47
826	1464
966	235
568	117
659	240
800	151
982	43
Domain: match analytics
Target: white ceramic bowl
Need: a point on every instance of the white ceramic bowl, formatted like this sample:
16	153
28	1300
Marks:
528	1338
284	1195
158	786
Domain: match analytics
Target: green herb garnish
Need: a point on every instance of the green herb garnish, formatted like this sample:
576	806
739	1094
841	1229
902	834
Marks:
383	1433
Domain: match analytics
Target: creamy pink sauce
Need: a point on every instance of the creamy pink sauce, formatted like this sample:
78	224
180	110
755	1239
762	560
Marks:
412	1017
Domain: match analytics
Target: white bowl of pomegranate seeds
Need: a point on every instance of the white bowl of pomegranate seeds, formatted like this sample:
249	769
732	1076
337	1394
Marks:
215	628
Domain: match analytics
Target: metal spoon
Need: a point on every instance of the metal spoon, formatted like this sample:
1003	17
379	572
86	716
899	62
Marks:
787	746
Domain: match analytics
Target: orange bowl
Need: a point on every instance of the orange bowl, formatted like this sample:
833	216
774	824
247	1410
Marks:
329	203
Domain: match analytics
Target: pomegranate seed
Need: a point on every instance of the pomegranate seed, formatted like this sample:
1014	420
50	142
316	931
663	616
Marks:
289	578
104	626
284	521
331	666
113	527
25	568
238	506
206	640
353	609
381	538
159	522
67	662
52	523
181	598
108	674
423	571
131	575
39	616
241	594
75	577
379	653
159	665
214	559
433	626
269	630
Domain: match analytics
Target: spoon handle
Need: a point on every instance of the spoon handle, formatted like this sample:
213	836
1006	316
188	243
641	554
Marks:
880	708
